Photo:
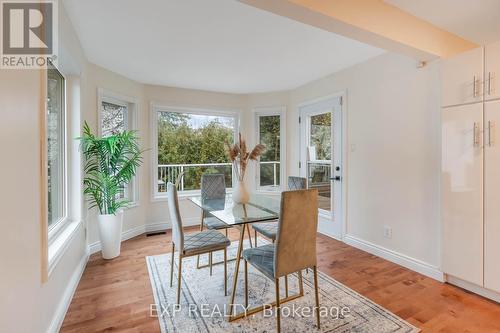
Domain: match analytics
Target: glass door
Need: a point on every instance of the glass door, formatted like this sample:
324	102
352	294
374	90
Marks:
321	159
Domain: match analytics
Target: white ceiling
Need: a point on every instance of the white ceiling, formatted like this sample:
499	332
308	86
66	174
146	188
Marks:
474	20
216	45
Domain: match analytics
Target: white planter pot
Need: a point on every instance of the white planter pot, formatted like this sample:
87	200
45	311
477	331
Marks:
110	232
240	193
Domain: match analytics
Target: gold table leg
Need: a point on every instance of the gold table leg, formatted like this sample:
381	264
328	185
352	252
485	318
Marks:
236	269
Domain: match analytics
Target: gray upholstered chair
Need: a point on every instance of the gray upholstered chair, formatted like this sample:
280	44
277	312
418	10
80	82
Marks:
213	186
269	229
207	241
294	248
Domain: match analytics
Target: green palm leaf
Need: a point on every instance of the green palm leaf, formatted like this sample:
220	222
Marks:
110	164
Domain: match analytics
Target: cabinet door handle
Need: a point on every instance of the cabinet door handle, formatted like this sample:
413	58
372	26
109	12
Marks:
475	139
474	88
491	141
489	83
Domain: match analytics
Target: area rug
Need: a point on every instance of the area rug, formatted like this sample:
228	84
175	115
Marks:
203	306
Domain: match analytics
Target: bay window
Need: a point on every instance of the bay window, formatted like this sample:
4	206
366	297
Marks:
188	143
56	149
118	113
270	132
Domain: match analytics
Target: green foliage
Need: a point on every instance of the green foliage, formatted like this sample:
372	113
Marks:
110	163
181	143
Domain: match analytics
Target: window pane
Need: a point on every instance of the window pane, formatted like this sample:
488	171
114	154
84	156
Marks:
192	144
319	166
114	118
269	135
321	135
55	145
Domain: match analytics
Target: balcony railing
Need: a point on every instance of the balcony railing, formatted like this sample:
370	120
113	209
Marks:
269	174
192	174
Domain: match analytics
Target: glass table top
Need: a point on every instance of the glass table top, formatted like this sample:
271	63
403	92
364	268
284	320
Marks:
260	208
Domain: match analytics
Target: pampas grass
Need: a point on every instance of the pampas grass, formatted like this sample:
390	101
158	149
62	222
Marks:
240	156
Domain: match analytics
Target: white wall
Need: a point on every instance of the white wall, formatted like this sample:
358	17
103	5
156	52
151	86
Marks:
27	305
393	119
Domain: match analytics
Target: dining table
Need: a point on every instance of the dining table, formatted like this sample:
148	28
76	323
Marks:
260	208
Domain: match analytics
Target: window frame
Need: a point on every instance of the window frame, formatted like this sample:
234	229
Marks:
131	123
54	230
159	107
263	112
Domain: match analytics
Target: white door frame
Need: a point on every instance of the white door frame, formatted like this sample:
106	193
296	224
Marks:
339	230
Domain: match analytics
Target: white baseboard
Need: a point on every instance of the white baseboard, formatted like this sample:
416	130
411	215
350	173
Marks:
67	297
396	257
493	295
325	229
139	230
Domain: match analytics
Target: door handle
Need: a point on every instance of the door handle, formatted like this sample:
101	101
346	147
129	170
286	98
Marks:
336	178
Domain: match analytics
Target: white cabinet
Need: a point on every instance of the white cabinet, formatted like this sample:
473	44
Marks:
462	192
462	78
492	71
492	196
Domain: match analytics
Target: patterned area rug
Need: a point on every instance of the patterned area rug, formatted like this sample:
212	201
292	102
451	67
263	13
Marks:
203	305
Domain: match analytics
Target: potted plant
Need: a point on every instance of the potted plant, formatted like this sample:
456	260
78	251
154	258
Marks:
240	157
110	163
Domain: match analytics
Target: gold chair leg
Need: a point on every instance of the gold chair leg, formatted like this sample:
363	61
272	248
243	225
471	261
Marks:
225	271
172	265
278	310
210	262
286	286
249	235
179	280
226	232
301	283
246	284
316	294
255	236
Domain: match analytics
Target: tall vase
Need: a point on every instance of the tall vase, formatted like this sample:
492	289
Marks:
110	233
240	193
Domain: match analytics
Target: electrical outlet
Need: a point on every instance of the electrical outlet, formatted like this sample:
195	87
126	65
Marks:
387	231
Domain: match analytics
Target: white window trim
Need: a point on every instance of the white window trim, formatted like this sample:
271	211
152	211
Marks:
59	236
132	120
272	111
156	107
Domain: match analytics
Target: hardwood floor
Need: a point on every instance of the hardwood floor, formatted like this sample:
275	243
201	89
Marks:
115	295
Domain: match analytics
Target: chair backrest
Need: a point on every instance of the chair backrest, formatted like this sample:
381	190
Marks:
213	186
296	183
175	216
296	238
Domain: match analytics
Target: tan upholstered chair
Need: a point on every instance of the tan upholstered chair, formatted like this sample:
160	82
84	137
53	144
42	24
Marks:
270	229
207	241
295	246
